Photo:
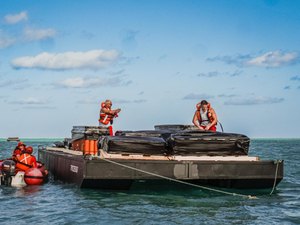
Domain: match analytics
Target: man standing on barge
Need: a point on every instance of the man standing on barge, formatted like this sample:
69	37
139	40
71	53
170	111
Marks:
106	113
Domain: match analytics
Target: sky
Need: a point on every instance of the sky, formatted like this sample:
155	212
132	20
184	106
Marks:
155	60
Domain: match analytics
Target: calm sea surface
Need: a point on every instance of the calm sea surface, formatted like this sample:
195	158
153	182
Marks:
59	203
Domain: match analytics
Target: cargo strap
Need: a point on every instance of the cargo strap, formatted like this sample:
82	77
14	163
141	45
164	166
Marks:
275	179
180	181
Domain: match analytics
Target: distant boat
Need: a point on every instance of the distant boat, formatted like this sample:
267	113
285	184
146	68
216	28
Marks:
13	139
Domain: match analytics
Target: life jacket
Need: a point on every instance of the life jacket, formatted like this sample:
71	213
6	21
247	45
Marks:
25	161
209	113
16	153
105	118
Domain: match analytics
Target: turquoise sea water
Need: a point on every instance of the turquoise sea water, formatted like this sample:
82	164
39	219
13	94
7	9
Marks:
59	203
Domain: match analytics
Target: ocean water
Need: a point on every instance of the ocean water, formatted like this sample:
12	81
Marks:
59	203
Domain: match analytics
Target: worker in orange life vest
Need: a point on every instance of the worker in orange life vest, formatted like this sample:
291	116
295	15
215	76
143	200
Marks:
106	113
18	150
26	160
205	117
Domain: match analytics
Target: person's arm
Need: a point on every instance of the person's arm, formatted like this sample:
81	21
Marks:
196	122
215	119
116	111
110	111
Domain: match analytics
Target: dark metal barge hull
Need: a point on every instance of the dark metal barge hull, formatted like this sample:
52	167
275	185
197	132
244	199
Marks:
96	172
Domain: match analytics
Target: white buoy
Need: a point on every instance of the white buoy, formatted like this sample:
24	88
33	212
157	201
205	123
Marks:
18	180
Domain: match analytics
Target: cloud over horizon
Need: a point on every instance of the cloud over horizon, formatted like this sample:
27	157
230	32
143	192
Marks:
90	82
253	101
269	59
14	82
296	78
216	74
117	101
31	34
29	101
6	40
274	59
193	96
16	18
93	60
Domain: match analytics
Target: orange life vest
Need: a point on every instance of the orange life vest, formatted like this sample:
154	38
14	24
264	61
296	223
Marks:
16	152
105	118
25	161
209	113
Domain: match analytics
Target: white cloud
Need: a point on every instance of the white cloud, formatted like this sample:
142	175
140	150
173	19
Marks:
273	59
269	59
115	101
199	97
31	34
93	101
16	18
30	101
254	101
296	78
5	40
94	59
135	101
216	74
90	82
15	82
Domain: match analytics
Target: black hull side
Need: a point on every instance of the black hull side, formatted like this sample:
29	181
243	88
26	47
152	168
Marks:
125	184
97	173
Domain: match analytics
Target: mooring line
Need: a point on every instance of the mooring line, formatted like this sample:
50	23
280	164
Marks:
275	179
179	181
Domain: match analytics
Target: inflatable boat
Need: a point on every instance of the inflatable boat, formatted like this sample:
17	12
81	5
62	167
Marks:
10	176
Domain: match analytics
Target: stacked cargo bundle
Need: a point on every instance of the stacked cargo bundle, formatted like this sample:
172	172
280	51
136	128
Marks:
189	140
174	127
89	132
178	140
84	138
165	134
134	145
208	143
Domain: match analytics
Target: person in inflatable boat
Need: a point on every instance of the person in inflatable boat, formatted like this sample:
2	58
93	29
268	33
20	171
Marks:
18	150
26	160
205	117
106	113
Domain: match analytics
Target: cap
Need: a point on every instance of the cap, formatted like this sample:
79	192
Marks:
21	143
28	150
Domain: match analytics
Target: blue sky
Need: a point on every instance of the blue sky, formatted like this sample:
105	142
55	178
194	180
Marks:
155	59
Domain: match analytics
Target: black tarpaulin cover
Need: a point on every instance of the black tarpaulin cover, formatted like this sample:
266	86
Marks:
137	145
208	143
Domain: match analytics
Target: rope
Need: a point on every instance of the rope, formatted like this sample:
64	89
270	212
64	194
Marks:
179	181
275	179
221	126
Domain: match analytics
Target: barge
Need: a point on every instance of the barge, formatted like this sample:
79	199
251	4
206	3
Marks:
92	159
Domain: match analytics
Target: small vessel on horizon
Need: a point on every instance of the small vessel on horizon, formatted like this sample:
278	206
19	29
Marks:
13	139
93	159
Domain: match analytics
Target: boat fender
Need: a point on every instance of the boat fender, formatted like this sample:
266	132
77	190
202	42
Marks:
18	180
42	168
34	176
